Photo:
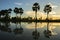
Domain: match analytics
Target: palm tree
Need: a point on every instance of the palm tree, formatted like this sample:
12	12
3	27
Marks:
6	12
35	8
2	12
47	9
16	11
21	12
9	11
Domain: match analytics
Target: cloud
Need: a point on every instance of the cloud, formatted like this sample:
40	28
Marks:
32	14
17	3
27	4
53	12
40	14
53	6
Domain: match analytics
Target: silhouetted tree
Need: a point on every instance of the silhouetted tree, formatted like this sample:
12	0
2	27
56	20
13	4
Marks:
47	9
7	11
16	10
2	12
21	12
35	8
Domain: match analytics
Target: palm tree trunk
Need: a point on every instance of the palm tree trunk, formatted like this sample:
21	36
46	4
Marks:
6	15
16	17
36	15
9	15
47	26
20	17
35	26
47	15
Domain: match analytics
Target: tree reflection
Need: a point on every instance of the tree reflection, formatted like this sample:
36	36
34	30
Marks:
5	27
18	30
47	32
35	33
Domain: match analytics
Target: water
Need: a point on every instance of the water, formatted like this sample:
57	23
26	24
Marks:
29	31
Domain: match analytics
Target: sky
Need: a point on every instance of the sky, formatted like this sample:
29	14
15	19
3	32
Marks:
27	6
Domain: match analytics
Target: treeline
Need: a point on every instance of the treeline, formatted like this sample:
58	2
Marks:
5	14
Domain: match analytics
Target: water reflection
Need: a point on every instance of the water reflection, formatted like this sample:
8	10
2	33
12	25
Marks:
30	31
5	27
18	30
35	33
47	32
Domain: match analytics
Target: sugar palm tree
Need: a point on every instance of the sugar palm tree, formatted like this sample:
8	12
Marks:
16	11
35	8
7	11
2	12
21	12
47	9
